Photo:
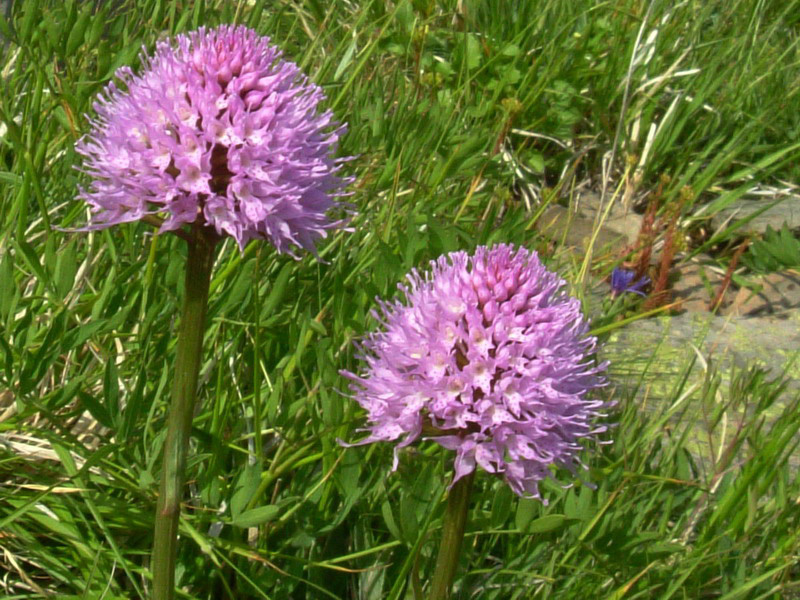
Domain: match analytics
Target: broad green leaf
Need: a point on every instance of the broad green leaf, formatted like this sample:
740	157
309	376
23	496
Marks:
346	60
246	486
277	290
527	509
389	520
28	255
256	516
78	31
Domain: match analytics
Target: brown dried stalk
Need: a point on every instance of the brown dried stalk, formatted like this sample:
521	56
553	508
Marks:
726	281
661	294
647	233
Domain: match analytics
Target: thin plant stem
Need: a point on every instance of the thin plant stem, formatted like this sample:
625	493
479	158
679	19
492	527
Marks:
726	280
455	522
181	410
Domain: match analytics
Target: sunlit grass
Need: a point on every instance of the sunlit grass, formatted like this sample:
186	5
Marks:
704	93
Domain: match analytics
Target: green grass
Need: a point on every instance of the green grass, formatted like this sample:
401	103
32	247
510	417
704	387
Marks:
276	507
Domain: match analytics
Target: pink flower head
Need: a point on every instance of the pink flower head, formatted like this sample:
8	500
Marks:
489	357
217	128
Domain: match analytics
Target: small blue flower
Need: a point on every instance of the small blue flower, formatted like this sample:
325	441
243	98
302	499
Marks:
622	281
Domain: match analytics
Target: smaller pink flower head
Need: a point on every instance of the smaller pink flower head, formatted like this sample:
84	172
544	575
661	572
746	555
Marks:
488	356
217	128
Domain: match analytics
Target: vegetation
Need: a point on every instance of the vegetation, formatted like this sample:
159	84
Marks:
466	120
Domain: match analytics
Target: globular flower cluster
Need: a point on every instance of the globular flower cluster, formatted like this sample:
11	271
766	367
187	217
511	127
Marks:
490	357
217	128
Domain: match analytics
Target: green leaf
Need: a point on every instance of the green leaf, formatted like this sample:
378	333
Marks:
548	523
96	409
7	285
256	516
10	178
8	363
5	30
109	285
536	162
77	337
501	506
527	508
778	250
391	524
246	485
111	388
65	269
31	15
135	407
98	26
408	518
278	291
346	60
243	284
28	255
473	51
78	32
405	16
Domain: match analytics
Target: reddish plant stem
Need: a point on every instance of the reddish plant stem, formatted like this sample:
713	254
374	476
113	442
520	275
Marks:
647	234
723	285
661	294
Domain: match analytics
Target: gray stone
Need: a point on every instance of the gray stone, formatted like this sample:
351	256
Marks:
575	230
628	225
651	356
619	219
778	293
576	227
786	211
697	284
740	340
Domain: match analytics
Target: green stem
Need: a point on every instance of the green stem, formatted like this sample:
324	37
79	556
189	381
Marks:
181	411
455	521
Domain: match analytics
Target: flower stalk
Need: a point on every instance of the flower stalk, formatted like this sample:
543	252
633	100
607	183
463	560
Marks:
184	398
455	522
216	135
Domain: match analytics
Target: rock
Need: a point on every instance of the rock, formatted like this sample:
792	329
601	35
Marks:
740	340
697	285
779	293
620	219
576	226
560	223
651	356
787	211
627	225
